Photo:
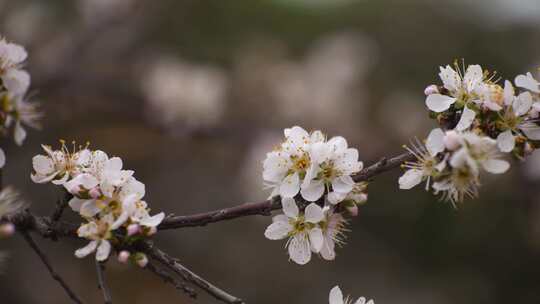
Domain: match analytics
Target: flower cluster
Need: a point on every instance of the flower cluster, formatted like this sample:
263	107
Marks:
471	100
480	119
15	109
451	162
314	178
106	196
336	297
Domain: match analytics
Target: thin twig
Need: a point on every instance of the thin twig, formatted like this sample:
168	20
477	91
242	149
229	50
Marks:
100	269
45	261
173	265
168	278
266	207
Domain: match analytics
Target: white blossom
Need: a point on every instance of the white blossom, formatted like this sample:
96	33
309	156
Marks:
302	230
427	164
57	166
99	232
332	165
284	167
515	120
462	89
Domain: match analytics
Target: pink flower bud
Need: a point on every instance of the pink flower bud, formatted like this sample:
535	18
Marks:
133	229
431	89
94	193
353	210
151	231
123	256
7	230
142	260
451	140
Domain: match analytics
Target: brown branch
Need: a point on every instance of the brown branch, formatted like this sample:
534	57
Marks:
52	227
53	273
100	269
266	207
168	278
383	165
173	265
26	221
61	205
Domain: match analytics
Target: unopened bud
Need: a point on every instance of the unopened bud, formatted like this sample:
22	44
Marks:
133	229
151	231
94	193
123	256
451	140
431	89
7	230
141	260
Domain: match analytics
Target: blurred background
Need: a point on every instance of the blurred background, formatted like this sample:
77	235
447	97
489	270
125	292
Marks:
192	94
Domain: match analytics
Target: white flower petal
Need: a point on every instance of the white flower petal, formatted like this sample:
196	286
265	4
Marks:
473	77
43	165
336	197
89	208
496	166
76	203
435	142
20	134
16	81
522	104
410	178
439	103
506	141
531	130
450	78
316	239
289	207
509	93
336	296
313	191
314	213
152	221
278	230
86	250
299	249
467	118
343	184
328	250
103	250
290	185
527	82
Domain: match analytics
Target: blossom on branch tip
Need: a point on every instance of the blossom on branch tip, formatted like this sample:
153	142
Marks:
452	161
105	195
475	102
